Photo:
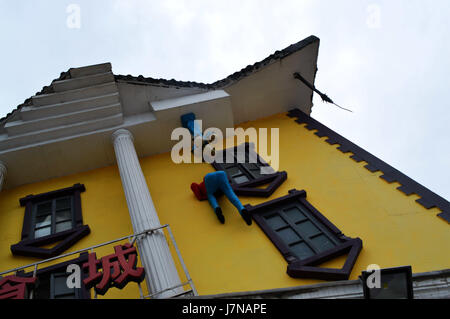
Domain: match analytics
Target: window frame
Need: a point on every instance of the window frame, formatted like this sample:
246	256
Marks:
30	246
53	295
58	269
250	187
53	213
307	268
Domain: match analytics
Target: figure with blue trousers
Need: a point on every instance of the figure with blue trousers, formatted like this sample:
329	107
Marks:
213	183
219	181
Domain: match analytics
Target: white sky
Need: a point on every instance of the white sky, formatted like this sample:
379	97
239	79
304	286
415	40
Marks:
386	60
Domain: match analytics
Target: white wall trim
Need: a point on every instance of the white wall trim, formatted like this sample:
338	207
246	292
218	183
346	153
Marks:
428	285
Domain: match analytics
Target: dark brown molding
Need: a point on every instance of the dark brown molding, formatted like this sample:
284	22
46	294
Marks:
31	247
78	216
68	238
390	174
50	195
308	268
250	188
27	220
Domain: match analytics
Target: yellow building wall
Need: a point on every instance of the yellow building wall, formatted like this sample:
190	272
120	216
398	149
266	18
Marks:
104	209
233	257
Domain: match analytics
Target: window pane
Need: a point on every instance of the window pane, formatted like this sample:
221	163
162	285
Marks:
252	166
63	203
275	222
240	179
42	221
295	215
42	232
60	286
308	229
304	210
254	169
302	250
43	209
63	215
322	243
63	226
267	168
233	171
288	235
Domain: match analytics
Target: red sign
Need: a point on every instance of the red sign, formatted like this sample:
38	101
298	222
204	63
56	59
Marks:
14	287
118	269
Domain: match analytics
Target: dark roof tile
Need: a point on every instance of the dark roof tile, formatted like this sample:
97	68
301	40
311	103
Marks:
277	55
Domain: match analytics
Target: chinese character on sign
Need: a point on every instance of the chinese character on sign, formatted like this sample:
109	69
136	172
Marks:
14	287
118	269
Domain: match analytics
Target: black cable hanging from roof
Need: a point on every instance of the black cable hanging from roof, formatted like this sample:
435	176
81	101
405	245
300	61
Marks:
324	97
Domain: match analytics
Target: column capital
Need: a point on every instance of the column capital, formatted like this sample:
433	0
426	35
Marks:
121	132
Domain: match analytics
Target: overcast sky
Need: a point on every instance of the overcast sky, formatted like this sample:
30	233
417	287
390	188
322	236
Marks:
388	61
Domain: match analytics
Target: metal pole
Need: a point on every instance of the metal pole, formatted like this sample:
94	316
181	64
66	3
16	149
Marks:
95	292
34	275
182	261
82	250
132	238
141	293
167	289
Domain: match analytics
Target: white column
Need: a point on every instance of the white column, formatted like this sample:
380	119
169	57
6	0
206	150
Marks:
2	175
153	249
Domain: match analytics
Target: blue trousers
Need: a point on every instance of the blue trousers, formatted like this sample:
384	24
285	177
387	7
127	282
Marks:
218	181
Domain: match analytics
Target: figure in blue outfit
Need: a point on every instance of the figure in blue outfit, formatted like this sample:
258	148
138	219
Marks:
188	121
219	181
213	184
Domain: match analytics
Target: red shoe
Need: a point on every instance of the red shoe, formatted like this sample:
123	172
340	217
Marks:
199	191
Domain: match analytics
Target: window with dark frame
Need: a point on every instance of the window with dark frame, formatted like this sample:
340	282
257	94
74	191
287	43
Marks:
52	282
300	230
52	217
305	237
244	172
54	286
239	173
241	170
